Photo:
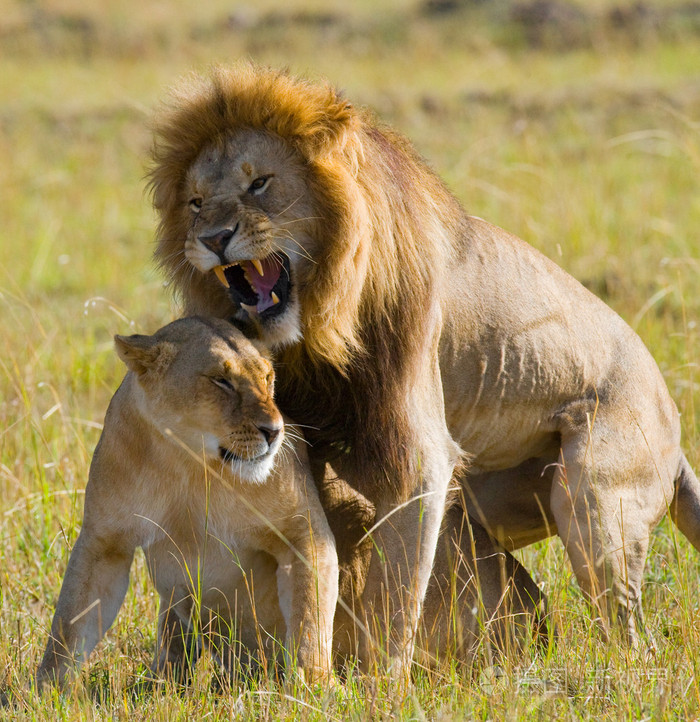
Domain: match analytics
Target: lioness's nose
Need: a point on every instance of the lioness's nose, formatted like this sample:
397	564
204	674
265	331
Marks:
218	241
270	433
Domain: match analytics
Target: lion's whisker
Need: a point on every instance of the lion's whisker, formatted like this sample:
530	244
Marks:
292	204
299	220
303	253
281	262
178	252
181	263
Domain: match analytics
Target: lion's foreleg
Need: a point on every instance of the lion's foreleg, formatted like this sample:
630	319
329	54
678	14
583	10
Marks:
404	544
404	538
478	592
93	589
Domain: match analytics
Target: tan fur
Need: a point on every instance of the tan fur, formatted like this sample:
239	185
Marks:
239	549
415	331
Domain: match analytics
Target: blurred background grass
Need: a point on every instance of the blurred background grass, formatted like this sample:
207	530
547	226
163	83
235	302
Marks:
572	124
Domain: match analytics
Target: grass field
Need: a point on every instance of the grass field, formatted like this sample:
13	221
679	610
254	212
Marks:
575	125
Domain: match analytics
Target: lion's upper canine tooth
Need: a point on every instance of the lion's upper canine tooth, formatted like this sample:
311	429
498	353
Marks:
219	271
258	266
275	298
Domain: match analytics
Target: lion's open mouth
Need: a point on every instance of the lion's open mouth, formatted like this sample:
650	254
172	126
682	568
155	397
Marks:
260	286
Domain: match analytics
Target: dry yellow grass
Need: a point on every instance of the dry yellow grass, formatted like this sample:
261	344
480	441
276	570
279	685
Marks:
591	153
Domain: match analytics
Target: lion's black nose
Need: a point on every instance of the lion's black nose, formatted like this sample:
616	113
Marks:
270	433
218	241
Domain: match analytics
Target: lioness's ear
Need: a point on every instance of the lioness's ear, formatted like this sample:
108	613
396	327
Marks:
144	353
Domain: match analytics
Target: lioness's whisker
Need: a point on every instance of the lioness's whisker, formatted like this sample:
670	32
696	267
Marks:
287	447
297	437
305	426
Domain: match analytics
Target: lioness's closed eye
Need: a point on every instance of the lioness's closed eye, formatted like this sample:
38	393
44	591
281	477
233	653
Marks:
189	461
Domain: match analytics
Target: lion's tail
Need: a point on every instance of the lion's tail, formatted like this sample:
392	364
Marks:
685	507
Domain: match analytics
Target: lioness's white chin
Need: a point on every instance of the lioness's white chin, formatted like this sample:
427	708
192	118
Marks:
251	472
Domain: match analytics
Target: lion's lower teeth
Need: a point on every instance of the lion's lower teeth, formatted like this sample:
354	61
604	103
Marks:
249	309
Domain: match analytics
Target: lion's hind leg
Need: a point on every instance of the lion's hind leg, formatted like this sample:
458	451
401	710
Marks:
685	508
609	491
479	594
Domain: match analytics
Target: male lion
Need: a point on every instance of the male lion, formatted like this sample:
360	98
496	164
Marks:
188	468
407	331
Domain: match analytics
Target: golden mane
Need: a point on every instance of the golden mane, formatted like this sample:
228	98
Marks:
369	297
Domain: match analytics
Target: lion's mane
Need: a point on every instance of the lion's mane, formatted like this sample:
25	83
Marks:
385	227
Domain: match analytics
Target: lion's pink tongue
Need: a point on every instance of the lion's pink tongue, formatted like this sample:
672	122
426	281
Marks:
263	283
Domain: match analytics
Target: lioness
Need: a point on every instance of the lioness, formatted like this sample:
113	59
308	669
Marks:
407	332
190	467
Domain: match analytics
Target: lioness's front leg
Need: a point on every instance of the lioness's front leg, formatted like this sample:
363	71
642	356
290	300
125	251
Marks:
93	590
307	578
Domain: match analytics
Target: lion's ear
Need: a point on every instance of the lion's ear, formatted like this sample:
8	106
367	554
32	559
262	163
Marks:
331	128
144	353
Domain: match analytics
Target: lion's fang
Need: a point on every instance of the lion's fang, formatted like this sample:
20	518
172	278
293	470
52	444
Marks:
250	310
258	266
275	298
219	271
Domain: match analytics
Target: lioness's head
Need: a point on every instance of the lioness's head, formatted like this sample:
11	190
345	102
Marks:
205	385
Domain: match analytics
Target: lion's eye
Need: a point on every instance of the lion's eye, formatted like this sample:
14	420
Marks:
259	184
223	383
195	204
